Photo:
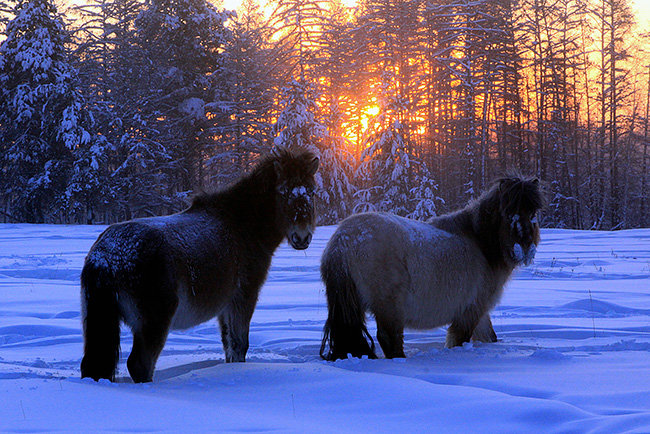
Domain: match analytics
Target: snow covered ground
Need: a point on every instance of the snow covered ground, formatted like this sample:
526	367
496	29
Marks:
573	352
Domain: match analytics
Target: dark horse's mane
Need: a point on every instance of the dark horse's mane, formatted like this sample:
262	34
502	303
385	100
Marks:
481	218
251	199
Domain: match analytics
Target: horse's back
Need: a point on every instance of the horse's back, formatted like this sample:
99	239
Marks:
124	246
368	240
375	249
387	238
178	237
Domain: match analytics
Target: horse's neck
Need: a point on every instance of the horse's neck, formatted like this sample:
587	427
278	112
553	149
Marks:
250	207
488	237
458	223
475	223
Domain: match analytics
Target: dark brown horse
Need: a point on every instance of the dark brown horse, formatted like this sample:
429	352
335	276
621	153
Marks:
449	270
177	271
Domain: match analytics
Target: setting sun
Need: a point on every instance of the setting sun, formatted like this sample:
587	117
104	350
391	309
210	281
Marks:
368	113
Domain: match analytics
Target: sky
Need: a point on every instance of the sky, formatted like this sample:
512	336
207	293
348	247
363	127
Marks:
642	8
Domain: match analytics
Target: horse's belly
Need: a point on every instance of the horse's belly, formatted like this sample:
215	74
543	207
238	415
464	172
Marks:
428	312
438	295
188	314
185	318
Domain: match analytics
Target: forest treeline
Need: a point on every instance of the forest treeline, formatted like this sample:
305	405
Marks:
116	109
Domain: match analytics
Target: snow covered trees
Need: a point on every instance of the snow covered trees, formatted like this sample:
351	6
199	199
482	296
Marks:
179	42
412	105
49	159
5	12
392	178
305	120
244	95
298	127
151	73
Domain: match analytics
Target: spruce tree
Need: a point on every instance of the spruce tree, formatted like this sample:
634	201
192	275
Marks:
181	41
45	125
391	178
244	96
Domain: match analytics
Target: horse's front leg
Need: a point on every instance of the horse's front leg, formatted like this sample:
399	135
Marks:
484	332
462	327
235	322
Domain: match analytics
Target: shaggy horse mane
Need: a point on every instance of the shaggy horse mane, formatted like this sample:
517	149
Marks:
515	192
481	218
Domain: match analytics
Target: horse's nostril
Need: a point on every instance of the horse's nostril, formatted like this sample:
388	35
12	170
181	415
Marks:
299	241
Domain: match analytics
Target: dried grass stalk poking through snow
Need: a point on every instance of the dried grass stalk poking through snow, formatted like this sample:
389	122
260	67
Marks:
177	271
449	270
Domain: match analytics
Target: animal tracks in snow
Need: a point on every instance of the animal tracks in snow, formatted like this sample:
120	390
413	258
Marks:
573	328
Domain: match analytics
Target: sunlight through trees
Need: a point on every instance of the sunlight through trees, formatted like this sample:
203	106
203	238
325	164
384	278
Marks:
414	106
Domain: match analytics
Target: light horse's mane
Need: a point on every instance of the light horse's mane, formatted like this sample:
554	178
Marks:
481	219
517	193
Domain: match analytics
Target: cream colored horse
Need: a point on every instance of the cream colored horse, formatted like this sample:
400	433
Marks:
449	270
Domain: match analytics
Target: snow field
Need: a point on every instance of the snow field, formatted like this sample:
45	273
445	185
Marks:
573	352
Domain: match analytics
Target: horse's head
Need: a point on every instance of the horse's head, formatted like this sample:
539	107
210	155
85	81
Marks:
295	185
519	201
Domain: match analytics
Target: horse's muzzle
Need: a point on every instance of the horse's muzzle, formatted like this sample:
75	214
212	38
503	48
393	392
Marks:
524	256
300	241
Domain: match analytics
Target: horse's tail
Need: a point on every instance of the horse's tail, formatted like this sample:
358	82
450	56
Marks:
345	330
101	323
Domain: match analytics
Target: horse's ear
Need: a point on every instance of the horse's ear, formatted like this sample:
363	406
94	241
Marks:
277	153
535	181
313	166
503	189
502	183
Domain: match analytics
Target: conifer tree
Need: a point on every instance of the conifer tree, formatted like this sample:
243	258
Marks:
244	95
298	127
181	41
45	125
337	188
391	178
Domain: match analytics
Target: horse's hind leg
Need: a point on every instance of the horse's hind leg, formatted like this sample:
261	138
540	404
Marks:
150	333
484	332
390	334
148	343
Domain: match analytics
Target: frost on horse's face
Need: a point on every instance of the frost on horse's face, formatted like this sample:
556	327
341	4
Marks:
295	201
